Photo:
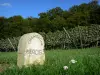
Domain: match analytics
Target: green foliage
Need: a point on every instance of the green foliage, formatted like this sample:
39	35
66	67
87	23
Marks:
88	62
78	37
5	44
81	23
54	19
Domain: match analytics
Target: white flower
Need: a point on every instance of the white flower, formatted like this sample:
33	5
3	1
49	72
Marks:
73	61
65	67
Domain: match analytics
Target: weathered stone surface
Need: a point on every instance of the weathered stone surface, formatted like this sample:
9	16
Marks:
31	50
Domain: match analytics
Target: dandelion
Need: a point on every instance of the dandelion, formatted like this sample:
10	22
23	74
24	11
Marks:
73	61
65	67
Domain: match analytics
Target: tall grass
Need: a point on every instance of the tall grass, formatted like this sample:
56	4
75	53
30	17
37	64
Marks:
88	63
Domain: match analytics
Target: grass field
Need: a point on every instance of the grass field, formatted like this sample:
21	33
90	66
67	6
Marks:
88	63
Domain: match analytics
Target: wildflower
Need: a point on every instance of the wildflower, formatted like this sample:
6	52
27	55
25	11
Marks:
73	61
65	67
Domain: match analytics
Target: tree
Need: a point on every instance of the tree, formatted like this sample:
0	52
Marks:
58	23
95	16
55	12
3	23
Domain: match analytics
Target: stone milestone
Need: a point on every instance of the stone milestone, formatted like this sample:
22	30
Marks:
31	50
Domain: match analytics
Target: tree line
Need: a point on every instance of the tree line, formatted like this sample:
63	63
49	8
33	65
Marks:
78	27
54	19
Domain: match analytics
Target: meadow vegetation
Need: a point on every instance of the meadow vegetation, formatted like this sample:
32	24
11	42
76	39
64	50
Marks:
88	63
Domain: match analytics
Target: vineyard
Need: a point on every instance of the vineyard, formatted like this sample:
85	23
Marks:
78	37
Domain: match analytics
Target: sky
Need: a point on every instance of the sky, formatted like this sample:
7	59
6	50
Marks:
27	8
